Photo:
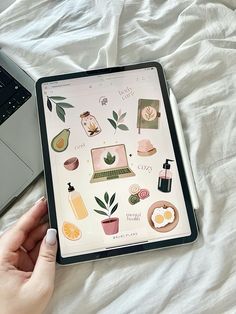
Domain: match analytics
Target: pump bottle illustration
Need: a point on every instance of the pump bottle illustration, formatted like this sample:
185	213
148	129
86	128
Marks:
165	177
77	203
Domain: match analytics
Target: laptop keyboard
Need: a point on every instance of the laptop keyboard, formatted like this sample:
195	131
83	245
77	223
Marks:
12	95
111	173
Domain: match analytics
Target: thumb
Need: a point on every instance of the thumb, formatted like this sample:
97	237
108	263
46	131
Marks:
44	271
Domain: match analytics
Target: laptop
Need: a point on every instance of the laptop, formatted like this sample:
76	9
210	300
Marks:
20	148
109	163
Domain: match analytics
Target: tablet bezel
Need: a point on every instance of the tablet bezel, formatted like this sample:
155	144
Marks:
134	248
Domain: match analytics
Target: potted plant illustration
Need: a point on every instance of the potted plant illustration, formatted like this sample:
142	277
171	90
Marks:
110	225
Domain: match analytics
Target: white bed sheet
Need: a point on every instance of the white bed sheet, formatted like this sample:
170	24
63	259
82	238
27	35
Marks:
195	41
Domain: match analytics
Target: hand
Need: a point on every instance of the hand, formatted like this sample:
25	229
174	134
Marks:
27	263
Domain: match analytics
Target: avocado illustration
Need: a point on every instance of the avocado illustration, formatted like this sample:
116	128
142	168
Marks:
61	140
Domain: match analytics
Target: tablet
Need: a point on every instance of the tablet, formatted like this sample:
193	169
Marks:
114	173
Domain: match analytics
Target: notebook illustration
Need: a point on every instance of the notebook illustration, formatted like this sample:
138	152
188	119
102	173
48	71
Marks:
109	163
148	114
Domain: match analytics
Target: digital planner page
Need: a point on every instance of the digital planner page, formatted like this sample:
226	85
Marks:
114	171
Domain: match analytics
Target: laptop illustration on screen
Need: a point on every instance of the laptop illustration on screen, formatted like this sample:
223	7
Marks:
109	163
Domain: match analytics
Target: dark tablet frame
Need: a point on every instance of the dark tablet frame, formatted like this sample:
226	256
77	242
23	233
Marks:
48	175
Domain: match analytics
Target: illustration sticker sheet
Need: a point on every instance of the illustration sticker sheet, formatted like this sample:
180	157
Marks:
114	172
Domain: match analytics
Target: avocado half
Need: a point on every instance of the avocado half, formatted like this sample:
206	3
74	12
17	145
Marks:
61	141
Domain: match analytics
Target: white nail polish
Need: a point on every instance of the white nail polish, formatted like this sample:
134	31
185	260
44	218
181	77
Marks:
40	200
51	236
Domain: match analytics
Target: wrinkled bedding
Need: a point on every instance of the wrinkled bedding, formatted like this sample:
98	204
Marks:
195	41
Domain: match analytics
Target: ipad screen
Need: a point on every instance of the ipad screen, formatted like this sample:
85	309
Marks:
115	178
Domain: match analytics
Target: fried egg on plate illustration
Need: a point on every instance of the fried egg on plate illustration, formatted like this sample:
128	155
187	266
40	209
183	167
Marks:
162	216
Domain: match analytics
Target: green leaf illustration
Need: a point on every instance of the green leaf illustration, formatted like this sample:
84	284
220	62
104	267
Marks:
122	116
60	112
112	123
114	209
57	97
112	199
106	197
65	105
101	212
123	127
117	119
100	203
60	109
59	106
109	159
49	104
115	115
108	209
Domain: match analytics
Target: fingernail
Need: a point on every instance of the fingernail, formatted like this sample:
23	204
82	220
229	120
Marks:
51	236
40	200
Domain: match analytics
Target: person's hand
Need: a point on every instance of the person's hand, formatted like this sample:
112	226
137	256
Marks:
27	263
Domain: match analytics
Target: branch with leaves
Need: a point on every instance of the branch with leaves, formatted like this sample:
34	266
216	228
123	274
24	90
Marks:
149	113
117	120
107	205
60	106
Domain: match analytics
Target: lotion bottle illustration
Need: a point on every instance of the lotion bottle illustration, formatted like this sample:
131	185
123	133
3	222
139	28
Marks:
165	177
77	203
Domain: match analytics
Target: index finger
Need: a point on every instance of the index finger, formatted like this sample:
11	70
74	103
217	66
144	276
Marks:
16	236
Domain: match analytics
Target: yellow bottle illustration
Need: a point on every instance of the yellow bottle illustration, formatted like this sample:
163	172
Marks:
77	203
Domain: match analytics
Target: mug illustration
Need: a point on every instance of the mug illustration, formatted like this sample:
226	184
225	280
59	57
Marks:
110	225
90	124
